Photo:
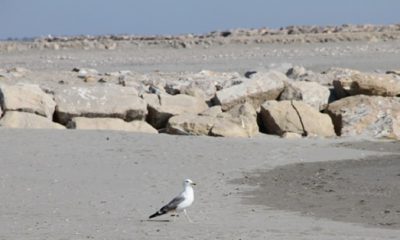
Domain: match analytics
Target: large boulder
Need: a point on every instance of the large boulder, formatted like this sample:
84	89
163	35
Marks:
206	81
228	128
27	98
325	78
296	117
191	124
240	121
15	119
162	107
99	101
312	93
244	116
368	84
115	124
258	89
372	116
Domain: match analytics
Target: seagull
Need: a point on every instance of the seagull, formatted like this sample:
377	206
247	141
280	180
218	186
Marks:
180	202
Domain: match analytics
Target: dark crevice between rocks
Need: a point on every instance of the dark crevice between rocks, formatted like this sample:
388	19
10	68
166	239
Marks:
337	122
248	74
265	117
2	104
66	118
214	101
332	95
305	133
261	127
56	118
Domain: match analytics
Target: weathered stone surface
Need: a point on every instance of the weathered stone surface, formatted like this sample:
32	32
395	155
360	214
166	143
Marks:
312	93
99	101
190	124
162	107
296	117
297	72
240	121
115	124
15	119
245	116
325	78
258	89
366	115
27	98
195	92
213	111
228	128
206	81
368	84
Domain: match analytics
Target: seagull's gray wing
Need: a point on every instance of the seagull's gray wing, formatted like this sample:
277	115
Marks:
173	204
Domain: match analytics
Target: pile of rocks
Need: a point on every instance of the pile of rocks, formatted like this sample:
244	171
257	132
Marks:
294	103
290	34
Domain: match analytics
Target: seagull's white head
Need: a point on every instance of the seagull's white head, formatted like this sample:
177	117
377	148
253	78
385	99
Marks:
188	182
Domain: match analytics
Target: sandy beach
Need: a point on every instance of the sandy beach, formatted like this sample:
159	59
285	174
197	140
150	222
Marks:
102	185
75	184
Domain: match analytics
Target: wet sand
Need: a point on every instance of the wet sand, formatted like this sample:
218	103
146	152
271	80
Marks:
363	191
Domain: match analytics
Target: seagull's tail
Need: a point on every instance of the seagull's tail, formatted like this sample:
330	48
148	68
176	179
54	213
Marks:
158	213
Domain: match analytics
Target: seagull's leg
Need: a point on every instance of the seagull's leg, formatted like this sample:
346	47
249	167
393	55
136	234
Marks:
173	217
187	216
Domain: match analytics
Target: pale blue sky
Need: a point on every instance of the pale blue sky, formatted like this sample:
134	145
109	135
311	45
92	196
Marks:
29	18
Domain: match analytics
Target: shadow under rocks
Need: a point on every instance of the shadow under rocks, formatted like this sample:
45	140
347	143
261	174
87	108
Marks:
363	191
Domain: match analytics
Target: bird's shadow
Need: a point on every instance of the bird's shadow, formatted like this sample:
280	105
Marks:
151	220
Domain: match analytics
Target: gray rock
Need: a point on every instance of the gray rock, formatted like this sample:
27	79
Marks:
14	119
228	128
87	72
99	101
206	81
162	107
240	121
296	72
195	92
115	124
27	98
214	111
295	117
260	88
191	124
368	84
372	116
245	116
312	93
325	78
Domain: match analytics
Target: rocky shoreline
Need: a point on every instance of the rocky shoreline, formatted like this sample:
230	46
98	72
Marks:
285	35
292	103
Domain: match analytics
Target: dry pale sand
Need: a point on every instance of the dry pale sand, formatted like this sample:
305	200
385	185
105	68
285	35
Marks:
70	184
365	56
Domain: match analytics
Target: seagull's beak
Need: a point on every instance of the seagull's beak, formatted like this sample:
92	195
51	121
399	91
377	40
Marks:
193	183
